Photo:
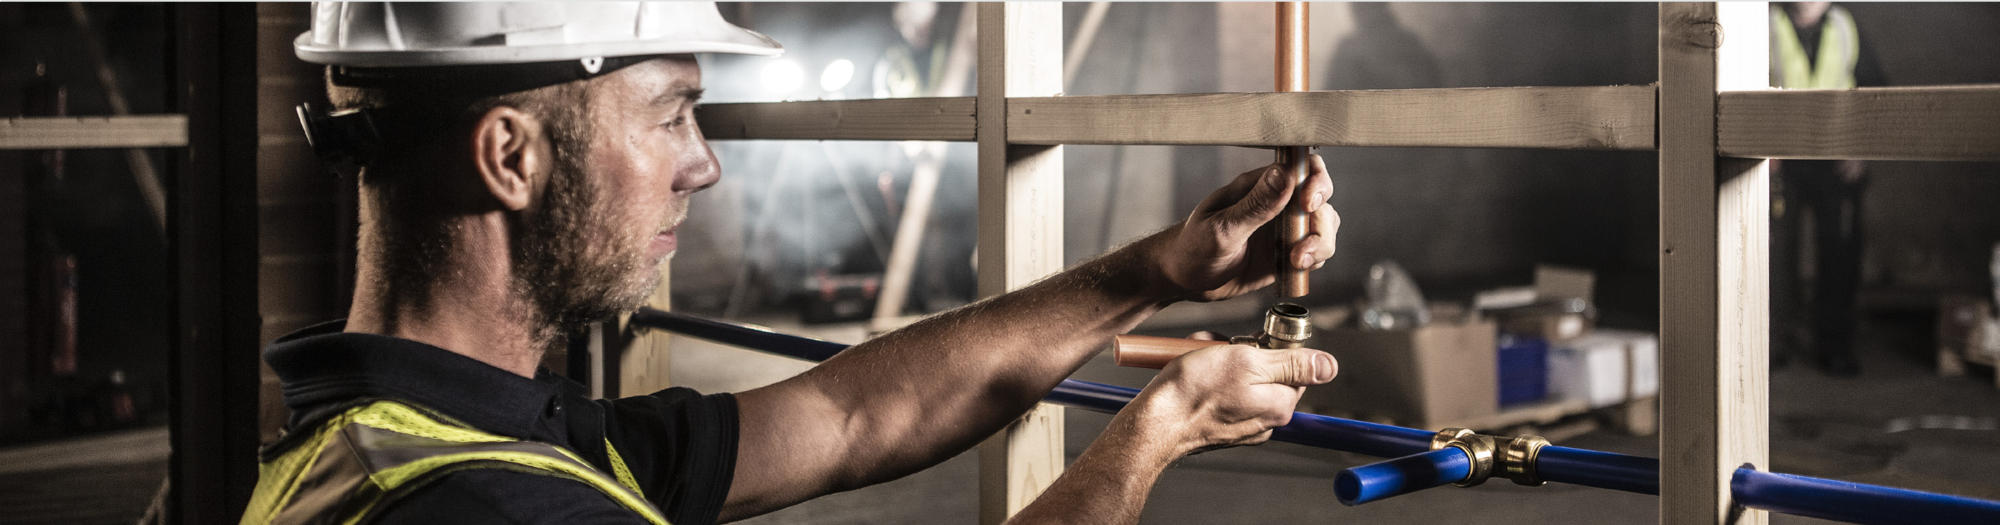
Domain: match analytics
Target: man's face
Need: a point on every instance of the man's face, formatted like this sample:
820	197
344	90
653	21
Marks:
613	205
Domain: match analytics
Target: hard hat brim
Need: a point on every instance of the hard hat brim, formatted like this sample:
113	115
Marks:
739	41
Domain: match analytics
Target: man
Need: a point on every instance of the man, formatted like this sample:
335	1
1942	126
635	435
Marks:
526	169
1816	45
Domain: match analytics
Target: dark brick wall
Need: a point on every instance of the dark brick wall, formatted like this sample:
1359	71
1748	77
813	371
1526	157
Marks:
305	216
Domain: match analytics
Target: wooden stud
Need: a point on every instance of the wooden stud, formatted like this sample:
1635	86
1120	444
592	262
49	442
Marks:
642	364
136	131
1714	224
1020	229
945	118
1900	123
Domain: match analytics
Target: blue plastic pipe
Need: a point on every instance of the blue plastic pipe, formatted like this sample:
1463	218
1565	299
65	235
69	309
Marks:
1402	475
1312	430
1417	467
1854	502
1599	469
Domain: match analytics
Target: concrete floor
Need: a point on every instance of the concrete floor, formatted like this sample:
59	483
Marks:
103	478
1821	426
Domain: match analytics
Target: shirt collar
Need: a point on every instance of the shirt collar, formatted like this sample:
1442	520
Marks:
323	368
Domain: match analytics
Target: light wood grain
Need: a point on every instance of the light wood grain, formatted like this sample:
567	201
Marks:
1713	265
134	131
1584	118
1020	228
644	362
941	118
1902	123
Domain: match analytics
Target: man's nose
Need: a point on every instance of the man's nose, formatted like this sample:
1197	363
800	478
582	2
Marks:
705	173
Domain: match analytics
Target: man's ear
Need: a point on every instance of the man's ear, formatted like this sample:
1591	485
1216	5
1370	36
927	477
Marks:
509	153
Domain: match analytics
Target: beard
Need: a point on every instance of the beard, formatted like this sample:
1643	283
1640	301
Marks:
574	264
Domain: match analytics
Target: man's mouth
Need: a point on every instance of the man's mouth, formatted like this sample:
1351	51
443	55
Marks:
664	243
667	239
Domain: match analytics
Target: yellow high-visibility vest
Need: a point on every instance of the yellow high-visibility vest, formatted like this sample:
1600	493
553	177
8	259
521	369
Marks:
357	459
1839	50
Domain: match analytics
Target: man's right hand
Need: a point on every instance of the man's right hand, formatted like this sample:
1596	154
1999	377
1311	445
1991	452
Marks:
1227	395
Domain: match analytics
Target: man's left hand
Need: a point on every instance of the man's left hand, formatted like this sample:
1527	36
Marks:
1227	247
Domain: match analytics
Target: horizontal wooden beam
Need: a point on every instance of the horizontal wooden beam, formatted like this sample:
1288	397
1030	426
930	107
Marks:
1899	123
871	119
1593	118
133	131
1902	123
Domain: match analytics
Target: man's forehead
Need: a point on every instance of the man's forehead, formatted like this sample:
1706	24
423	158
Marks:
663	79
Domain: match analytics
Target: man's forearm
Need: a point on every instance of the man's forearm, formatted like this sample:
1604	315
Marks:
1109	482
930	390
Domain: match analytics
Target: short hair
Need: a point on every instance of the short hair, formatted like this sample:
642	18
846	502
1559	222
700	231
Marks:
404	199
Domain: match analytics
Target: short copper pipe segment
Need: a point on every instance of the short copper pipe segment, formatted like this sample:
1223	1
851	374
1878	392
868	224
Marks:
1286	325
1145	351
1295	223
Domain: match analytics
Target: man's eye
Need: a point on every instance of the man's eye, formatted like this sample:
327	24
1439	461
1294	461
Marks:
675	123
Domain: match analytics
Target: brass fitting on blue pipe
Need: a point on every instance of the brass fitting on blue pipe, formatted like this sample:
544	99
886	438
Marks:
1520	459
1477	447
1512	458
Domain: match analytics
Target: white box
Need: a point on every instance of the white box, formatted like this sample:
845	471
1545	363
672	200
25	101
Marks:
1594	367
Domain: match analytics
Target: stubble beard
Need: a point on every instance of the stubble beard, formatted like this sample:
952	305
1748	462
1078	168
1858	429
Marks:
577	263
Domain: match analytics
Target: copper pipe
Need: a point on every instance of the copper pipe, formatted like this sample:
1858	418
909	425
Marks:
1295	223
1286	325
1145	351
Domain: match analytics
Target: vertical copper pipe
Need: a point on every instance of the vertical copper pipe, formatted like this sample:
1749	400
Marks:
1295	223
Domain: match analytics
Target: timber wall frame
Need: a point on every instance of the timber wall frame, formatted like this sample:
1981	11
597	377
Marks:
1709	116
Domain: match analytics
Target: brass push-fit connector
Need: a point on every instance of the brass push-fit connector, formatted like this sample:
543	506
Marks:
1512	458
1286	325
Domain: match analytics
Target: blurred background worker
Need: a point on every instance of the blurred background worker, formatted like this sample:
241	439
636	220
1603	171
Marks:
1815	45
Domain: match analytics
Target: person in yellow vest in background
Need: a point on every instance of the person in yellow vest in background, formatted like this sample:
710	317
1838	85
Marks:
1816	45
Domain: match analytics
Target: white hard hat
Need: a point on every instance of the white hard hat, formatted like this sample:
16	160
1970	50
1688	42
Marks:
391	34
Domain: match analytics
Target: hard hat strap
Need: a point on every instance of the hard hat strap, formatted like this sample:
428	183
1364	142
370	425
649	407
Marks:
345	141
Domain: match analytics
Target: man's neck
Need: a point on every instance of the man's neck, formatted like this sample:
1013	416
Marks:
471	310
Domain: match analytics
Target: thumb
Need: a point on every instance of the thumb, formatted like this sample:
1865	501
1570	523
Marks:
1265	200
1297	367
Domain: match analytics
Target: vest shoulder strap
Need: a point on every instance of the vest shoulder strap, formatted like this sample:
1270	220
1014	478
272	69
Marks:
379	450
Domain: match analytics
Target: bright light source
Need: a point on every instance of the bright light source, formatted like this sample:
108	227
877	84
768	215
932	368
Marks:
837	75
783	76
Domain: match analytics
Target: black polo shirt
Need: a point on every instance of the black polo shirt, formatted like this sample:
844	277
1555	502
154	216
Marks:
680	445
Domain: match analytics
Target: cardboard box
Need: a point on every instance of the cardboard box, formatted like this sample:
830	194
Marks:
1428	377
1561	282
1556	308
1606	367
1546	324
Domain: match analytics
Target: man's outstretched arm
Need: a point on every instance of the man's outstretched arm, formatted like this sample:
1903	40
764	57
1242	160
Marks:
916	396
